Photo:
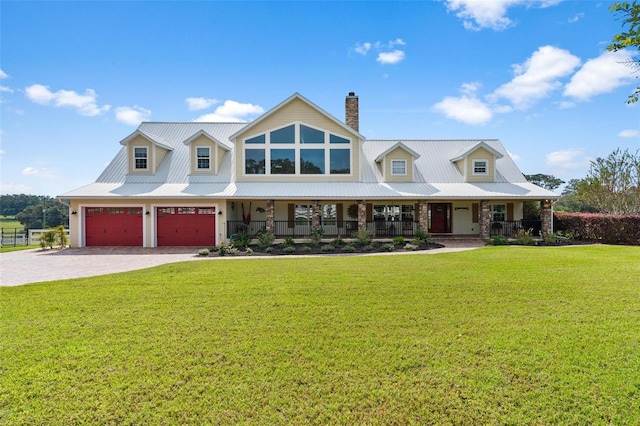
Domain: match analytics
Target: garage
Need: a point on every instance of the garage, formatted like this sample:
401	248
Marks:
186	226
113	226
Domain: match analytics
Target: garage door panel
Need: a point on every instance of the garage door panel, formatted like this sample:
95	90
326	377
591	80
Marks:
185	226
113	226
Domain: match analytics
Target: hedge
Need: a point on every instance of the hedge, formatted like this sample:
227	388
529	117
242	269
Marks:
600	227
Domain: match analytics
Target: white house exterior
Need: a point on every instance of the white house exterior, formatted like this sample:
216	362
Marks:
293	169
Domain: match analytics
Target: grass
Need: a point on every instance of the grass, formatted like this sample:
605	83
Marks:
9	223
499	335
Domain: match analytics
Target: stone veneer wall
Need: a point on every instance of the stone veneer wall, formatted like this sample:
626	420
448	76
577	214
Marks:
423	216
351	109
546	216
485	219
270	223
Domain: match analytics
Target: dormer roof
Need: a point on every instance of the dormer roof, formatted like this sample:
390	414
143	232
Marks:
466	151
400	145
208	136
156	140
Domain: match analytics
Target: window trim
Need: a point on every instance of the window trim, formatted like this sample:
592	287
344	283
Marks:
474	167
202	169
404	168
146	158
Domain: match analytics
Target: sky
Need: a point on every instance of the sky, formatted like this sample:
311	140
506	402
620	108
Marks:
76	78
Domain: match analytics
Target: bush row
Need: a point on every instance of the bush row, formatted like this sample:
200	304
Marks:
599	227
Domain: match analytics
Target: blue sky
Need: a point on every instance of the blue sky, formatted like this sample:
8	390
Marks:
77	77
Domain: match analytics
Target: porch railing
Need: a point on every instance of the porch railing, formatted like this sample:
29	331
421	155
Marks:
344	228
508	228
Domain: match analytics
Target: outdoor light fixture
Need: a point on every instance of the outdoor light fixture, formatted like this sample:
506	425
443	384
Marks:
220	212
74	212
148	212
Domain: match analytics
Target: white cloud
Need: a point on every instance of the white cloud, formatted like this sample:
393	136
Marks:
567	159
3	75
43	173
515	157
132	115
629	133
465	109
537	77
600	75
363	48
576	17
14	188
477	14
387	54
6	89
195	104
84	104
390	57
232	111
2	154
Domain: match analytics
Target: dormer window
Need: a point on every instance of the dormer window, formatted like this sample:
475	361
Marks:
480	167
204	157
141	154
399	167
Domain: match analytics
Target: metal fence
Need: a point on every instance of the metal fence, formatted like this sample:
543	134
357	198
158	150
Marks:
15	237
508	228
343	228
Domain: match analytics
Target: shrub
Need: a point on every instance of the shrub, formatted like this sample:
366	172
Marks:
265	238
348	249
249	250
306	249
524	238
422	236
498	240
411	247
204	252
268	250
327	248
47	239
398	240
61	236
316	235
337	242
240	240
363	237
289	250
388	247
369	247
288	241
600	227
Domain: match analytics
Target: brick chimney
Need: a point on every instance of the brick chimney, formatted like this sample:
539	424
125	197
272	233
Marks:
352	116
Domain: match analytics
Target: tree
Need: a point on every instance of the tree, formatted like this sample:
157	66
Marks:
570	201
630	14
11	205
55	214
549	182
612	184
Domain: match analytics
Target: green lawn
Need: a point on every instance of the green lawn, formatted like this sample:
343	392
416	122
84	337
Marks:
499	335
9	223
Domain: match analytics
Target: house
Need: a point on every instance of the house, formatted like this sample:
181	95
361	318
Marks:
294	169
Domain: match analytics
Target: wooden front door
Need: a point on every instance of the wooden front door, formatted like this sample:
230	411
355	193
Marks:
440	218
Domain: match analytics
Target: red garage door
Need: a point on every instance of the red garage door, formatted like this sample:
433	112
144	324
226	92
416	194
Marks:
113	226
186	226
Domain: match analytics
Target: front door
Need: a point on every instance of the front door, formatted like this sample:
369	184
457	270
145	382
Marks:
440	218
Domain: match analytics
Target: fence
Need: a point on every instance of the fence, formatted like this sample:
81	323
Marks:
334	228
14	237
508	228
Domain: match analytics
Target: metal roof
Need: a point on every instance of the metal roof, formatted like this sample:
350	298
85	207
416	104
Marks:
435	177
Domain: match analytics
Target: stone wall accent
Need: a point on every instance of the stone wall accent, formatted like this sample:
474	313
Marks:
270	210
315	215
546	216
485	219
362	214
423	216
352	115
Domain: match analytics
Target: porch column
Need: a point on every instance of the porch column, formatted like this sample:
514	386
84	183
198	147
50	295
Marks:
270	224
423	216
485	219
546	216
315	215
362	214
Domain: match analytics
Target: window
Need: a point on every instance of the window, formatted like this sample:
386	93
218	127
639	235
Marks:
328	214
480	167
340	161
141	156
303	214
204	157
309	135
283	161
254	161
399	167
498	212
284	135
297	149
312	161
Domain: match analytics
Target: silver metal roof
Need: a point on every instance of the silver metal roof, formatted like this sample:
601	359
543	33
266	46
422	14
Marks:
436	176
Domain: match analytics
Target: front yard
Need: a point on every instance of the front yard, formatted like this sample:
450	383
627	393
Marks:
498	335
